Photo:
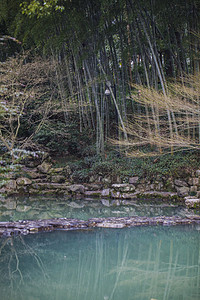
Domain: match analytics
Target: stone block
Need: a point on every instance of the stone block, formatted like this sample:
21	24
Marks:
11	185
197	172
123	187
23	181
115	194
178	182
190	181
196	181
133	180
192	202
193	188
76	188
44	167
182	191
93	193
105	193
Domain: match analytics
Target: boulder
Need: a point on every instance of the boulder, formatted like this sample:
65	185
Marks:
182	191
107	180
129	195
44	167
115	194
23	181
123	187
93	193
190	181
193	188
11	185
34	175
178	182
196	181
192	202
34	159
48	185
57	170
58	179
105	193
92	179
76	188
67	170
133	180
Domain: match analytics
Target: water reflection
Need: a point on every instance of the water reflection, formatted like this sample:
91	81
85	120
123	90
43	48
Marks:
14	209
138	263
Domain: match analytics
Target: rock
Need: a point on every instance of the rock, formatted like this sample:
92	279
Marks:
44	167
129	195
23	181
105	193
96	193
47	185
67	170
76	188
197	172
192	202
180	182
190	181
58	179
93	187
182	191
91	179
57	170
99	179
34	175
193	188
106	180
106	224
123	187
196	181
33	191
11	185
133	180
115	194
34	159
152	186
159	194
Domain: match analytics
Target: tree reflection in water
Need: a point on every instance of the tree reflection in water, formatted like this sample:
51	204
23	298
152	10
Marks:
137	263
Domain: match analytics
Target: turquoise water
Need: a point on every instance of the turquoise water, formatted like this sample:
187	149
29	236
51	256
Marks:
34	208
138	263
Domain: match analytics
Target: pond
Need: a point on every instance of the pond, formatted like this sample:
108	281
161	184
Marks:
102	264
144	263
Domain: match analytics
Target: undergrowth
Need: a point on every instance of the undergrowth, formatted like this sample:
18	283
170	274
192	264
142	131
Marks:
178	165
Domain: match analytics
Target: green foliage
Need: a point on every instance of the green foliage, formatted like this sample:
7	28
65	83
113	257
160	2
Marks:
180	165
62	138
40	8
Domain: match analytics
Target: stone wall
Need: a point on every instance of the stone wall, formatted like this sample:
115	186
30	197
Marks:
42	178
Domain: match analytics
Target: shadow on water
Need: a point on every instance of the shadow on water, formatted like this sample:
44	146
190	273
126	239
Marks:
108	264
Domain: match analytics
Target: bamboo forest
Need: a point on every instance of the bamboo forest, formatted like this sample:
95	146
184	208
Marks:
100	149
